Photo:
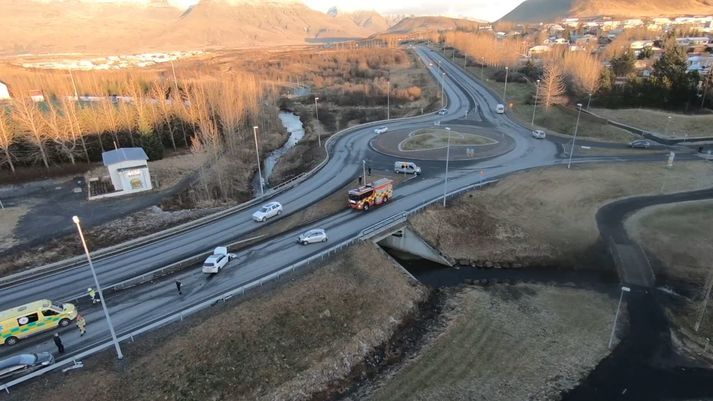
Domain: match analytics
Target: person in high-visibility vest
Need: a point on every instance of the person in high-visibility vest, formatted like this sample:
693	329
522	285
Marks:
93	295
81	324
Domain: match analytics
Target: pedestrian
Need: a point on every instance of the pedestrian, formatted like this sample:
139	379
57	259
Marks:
81	324
58	343
369	171
93	295
178	287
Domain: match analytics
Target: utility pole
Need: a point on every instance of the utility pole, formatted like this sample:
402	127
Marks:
482	67
257	153
316	113
363	172
534	107
388	99
571	151
443	79
616	316
505	89
448	155
589	101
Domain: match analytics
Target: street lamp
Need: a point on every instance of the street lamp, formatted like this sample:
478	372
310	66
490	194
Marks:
505	90
534	107
443	79
257	153
616	316
668	121
589	101
482	67
316	113
448	155
388	99
576	127
119	355
465	61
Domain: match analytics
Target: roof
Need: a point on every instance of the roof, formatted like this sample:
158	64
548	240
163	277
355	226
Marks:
24	309
122	155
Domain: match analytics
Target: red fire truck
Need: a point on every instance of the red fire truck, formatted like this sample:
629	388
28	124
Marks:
372	194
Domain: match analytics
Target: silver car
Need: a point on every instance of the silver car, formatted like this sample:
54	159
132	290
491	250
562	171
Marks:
312	236
24	363
380	130
538	134
640	143
268	210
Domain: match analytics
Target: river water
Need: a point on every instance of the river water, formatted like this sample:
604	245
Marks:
293	124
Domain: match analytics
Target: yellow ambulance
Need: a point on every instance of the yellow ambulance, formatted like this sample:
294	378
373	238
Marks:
33	318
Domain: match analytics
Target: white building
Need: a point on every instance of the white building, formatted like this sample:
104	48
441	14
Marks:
128	169
4	93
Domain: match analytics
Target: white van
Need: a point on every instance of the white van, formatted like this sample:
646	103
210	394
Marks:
500	109
406	168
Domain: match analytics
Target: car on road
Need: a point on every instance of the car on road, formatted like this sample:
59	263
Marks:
500	109
218	260
24	363
312	236
442	112
640	144
406	168
380	130
539	134
268	210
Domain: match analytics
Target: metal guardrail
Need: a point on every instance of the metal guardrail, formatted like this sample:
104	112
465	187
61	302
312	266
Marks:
124	246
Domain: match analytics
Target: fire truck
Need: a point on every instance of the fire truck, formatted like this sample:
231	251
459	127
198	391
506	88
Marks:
372	194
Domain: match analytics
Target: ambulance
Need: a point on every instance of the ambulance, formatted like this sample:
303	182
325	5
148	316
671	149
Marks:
34	318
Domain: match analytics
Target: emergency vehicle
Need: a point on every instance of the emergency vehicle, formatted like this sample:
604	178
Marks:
33	318
372	194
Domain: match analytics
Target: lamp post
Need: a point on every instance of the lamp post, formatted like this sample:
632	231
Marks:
443	79
668	121
589	101
465	61
448	155
616	316
316	113
257	153
534	107
505	89
119	355
576	127
482	67
388	99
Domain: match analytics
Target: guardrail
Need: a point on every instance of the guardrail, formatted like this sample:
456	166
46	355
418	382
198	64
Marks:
124	246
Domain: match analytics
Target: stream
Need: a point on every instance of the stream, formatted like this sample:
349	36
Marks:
293	124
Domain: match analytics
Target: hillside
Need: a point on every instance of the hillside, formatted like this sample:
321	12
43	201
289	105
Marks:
75	26
551	10
418	24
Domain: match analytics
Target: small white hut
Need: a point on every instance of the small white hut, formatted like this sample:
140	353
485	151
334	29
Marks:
4	92
128	169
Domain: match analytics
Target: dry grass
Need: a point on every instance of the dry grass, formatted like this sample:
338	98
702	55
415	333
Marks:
280	345
9	217
436	139
547	215
679	237
523	342
658	121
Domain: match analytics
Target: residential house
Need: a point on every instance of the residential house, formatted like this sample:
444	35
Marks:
4	92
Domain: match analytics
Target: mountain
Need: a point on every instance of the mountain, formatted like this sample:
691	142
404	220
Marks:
419	24
42	26
552	10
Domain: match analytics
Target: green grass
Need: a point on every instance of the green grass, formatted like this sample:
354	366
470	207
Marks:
436	139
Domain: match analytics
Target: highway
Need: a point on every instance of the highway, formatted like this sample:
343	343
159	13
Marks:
141	305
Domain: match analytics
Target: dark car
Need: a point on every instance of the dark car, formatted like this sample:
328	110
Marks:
24	363
640	143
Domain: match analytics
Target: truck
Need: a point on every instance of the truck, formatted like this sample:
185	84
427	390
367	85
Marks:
372	194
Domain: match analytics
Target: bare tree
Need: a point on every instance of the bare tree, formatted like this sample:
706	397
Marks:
58	132
29	119
552	85
7	137
165	109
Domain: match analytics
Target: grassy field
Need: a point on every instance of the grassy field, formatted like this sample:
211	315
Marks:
547	215
520	342
556	120
658	121
283	344
679	237
436	139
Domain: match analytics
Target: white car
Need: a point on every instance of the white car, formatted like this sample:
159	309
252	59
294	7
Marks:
539	134
381	130
500	108
268	210
217	261
312	236
442	112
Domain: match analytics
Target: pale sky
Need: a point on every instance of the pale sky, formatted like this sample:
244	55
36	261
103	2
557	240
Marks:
480	9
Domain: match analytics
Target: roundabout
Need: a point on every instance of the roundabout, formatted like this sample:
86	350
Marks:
466	143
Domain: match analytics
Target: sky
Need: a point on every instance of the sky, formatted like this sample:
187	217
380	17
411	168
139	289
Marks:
480	9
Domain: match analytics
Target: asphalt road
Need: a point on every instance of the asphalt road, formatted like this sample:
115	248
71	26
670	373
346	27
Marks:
137	306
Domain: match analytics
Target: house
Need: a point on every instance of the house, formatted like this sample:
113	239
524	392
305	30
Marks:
128	170
540	49
4	92
702	64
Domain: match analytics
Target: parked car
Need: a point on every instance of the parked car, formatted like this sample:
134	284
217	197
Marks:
312	236
218	260
538	134
268	210
500	109
24	363
442	112
380	130
406	168
640	144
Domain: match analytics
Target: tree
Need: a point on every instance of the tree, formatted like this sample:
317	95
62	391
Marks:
552	85
7	137
29	118
623	65
671	75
